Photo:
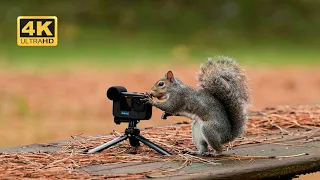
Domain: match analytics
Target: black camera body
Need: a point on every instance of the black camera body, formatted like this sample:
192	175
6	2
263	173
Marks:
128	105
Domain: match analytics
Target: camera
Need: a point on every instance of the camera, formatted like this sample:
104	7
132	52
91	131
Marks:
128	105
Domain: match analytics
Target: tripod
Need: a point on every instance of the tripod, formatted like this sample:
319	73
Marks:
133	133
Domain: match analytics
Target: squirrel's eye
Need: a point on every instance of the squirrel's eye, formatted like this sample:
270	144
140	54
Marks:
161	83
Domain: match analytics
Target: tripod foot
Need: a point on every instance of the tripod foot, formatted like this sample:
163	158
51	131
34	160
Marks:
153	145
108	144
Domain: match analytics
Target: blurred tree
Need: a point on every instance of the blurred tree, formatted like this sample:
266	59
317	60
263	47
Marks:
253	19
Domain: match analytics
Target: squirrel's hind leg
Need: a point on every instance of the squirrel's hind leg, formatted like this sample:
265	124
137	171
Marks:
197	137
212	138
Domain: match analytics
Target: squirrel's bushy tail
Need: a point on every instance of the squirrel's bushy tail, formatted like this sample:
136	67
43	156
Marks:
226	81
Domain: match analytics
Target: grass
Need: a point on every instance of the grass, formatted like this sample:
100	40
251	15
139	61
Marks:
105	49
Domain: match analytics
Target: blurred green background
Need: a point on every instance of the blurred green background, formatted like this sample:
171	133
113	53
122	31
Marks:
50	93
127	32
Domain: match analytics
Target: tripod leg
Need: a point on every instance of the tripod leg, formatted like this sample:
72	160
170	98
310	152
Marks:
152	145
108	144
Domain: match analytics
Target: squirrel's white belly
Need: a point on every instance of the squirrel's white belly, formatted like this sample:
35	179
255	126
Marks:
193	117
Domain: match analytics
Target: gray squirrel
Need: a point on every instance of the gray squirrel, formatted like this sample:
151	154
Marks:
218	108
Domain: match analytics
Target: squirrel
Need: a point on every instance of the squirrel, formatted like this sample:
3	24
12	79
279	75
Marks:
218	109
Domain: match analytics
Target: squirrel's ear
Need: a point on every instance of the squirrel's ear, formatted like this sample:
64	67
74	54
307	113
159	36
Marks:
169	76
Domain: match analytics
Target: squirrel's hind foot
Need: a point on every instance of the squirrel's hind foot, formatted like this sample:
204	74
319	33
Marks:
208	154
197	153
218	152
189	151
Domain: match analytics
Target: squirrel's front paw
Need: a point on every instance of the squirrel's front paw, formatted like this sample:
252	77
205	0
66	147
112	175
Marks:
147	99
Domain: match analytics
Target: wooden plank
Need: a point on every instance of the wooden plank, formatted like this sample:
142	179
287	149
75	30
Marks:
259	169
126	168
35	148
231	169
108	168
282	138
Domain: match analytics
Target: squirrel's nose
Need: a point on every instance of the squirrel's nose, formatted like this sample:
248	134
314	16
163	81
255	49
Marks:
152	93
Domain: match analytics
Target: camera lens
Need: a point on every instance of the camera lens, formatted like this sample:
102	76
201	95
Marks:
137	105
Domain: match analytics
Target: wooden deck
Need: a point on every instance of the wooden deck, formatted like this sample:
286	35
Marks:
287	156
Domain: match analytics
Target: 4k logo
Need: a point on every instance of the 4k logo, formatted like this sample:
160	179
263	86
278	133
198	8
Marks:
37	31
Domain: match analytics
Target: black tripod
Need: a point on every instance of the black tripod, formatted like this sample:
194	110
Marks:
133	133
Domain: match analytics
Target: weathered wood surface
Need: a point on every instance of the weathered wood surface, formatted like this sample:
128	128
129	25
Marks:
229	169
